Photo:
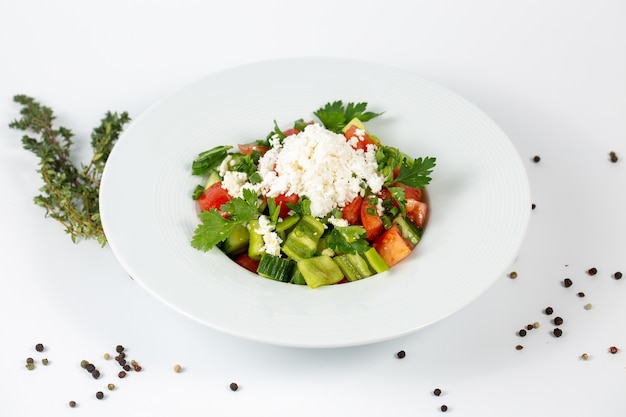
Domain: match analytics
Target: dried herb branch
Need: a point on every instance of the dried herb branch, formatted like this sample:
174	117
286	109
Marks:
70	193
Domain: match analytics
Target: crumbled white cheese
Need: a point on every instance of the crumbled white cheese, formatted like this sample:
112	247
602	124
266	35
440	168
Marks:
234	182
271	240
224	165
338	222
320	165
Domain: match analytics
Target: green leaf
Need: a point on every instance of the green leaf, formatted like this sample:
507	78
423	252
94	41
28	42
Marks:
418	173
242	209
213	230
209	160
334	116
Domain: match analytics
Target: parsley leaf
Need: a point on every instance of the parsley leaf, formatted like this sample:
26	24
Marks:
243	209
349	239
334	116
418	173
213	230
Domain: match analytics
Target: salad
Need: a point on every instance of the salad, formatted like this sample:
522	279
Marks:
320	203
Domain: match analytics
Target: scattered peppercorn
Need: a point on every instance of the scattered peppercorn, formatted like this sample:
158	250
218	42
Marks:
584	356
519	347
234	386
83	363
522	332
122	374
581	294
530	326
106	356
137	368
111	387
513	275
30	366
30	360
613	156
126	368
588	306
558	321
592	271
39	347
549	310
557	332
536	158
444	408
95	374
119	348
437	392
72	404
536	325
90	367
177	368
44	361
613	350
99	395
401	354
567	282
617	275
532	206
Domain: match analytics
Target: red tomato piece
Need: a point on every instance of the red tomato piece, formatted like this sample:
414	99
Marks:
370	219
247	262
363	141
416	211
292	131
392	247
247	149
214	197
282	200
352	211
410	192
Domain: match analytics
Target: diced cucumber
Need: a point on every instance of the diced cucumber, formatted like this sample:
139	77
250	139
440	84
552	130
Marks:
353	266
320	270
301	242
276	268
375	261
287	223
255	246
297	278
356	122
408	229
213	177
237	242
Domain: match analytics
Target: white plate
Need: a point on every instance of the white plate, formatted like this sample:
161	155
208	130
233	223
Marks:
479	203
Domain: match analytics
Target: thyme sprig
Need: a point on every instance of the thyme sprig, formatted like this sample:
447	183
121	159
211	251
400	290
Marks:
70	193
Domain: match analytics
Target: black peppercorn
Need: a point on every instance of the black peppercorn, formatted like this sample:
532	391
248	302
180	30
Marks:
519	347
95	374
90	367
401	354
234	386
567	282
437	392
557	332
522	332
549	310
536	158
119	348
444	408
39	347
581	294
558	321
592	271
617	275
122	374
72	404
99	395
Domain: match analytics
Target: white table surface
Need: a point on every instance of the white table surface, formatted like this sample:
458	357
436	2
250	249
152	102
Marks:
552	74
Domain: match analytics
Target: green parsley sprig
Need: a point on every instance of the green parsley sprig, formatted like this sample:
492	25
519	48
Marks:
70	193
334	116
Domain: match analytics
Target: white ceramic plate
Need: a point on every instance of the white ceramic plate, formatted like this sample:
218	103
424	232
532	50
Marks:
479	203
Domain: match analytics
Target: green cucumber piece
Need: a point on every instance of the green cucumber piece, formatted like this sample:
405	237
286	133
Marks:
320	270
375	261
237	242
276	268
297	278
287	223
301	242
255	246
213	177
408	229
353	266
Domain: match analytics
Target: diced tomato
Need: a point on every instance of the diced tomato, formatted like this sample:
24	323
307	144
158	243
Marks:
352	211
416	211
292	131
283	199
363	141
247	262
247	149
392	247
410	192
370	219
214	197
385	194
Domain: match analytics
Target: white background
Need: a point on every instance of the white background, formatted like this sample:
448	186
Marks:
552	74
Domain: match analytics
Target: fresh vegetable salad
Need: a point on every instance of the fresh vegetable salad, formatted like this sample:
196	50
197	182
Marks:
321	203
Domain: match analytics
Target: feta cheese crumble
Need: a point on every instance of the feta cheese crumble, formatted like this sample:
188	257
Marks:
320	165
